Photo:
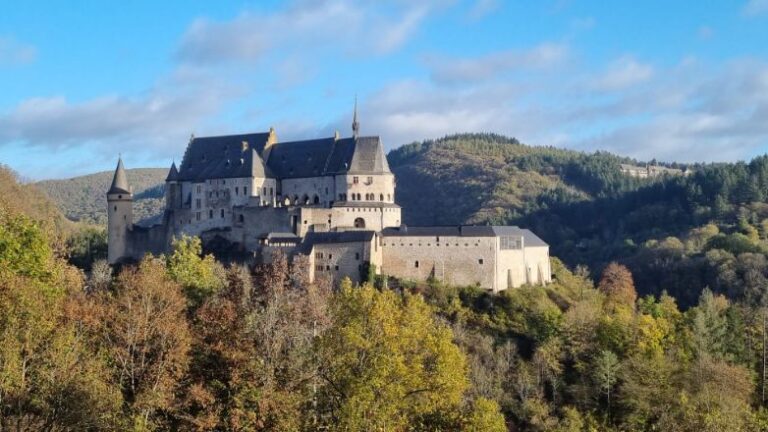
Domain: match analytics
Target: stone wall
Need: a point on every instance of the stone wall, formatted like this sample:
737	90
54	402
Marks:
377	187
339	260
453	260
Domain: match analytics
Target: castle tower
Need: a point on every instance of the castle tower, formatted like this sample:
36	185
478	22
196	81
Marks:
119	214
172	189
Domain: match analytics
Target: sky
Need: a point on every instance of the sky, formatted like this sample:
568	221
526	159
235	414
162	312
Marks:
82	82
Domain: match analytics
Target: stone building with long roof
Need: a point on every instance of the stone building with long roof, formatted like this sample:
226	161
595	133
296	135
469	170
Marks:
332	199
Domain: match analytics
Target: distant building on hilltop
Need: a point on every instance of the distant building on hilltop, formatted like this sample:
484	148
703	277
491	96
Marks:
331	199
650	171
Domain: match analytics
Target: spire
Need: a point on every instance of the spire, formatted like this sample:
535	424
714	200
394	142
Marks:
355	123
173	174
119	181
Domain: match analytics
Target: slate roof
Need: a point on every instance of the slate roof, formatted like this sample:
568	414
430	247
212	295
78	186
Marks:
224	157
313	238
119	181
327	156
173	173
530	239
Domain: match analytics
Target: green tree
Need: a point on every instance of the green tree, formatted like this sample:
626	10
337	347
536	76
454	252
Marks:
386	362
198	275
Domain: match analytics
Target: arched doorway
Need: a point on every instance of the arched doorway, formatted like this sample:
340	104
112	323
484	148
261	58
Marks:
359	223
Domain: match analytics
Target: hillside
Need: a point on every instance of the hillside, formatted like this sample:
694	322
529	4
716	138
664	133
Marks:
28	199
677	234
478	178
83	198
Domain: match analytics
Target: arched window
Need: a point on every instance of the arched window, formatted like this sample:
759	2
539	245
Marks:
381	197
316	200
359	223
295	200
389	197
305	200
358	197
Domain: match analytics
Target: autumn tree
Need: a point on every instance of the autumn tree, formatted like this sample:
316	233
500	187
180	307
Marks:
386	362
616	283
143	329
50	379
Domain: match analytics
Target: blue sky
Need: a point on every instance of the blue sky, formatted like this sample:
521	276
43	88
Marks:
81	81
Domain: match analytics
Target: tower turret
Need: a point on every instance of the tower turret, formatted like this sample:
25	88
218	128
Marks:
119	214
172	189
355	123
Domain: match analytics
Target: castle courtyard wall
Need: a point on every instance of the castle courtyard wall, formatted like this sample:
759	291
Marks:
453	260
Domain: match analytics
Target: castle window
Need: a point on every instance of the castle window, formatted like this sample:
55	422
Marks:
264	192
245	190
389	198
328	268
381	197
210	214
241	219
222	212
319	255
119	197
337	268
319	268
237	190
355	180
357	256
197	216
271	192
115	208
197	203
416	264
199	189
369	181
223	182
330	256
480	261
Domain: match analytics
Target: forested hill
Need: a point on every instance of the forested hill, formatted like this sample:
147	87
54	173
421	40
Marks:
678	234
84	198
485	177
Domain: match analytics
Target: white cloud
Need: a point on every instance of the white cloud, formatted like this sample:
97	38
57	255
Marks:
755	7
462	70
158	121
622	73
688	112
13	52
353	27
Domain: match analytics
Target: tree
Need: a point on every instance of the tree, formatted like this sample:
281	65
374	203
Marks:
617	285
50	378
196	274
386	362
606	374
142	327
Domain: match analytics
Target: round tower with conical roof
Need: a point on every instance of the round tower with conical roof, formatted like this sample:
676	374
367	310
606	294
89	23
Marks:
119	215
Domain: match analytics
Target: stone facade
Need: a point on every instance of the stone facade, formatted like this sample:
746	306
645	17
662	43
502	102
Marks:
331	199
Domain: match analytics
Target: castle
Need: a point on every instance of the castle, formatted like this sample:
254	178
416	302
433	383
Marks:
331	199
